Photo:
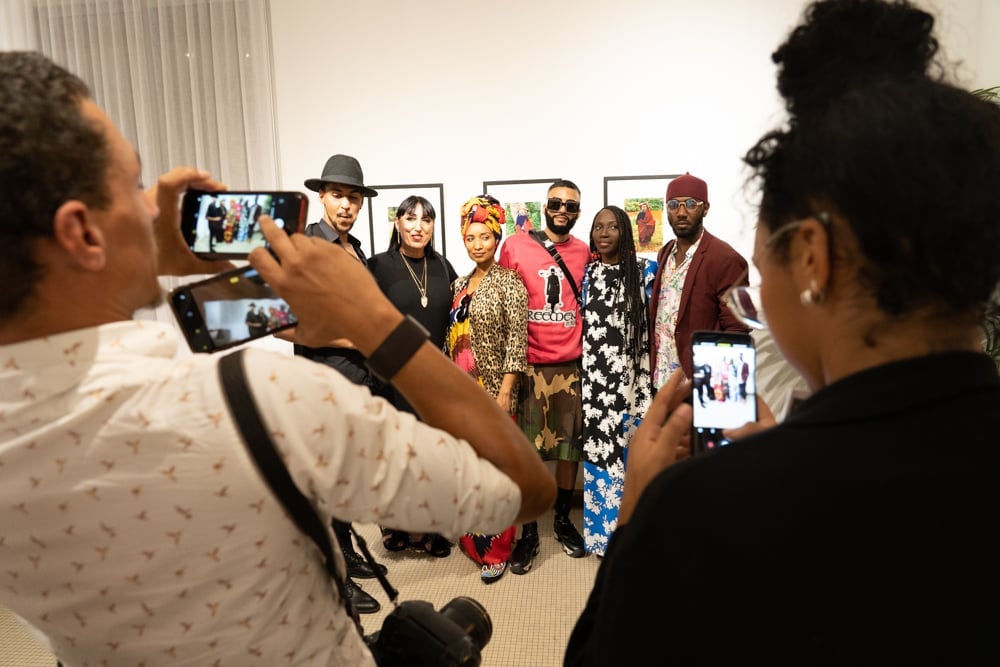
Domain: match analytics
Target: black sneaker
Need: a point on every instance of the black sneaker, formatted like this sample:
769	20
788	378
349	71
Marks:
358	567
524	552
569	537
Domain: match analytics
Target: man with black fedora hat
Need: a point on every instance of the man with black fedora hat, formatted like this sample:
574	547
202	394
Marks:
342	193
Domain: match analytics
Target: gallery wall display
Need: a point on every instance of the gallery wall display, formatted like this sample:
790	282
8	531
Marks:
523	201
643	198
382	214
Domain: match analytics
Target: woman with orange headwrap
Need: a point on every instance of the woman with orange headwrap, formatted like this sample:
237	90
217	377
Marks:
488	339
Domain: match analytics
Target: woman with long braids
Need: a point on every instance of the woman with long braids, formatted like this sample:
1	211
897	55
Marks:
616	382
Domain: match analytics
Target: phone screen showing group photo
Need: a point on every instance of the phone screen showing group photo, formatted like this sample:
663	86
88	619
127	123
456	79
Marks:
229	309
724	393
226	224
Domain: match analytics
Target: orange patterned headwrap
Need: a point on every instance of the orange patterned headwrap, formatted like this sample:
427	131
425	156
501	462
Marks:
485	209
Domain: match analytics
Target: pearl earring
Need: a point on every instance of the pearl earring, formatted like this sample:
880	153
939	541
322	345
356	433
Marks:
811	295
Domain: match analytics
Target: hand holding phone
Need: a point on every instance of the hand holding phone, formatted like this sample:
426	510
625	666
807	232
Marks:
226	225
765	420
333	294
724	394
174	257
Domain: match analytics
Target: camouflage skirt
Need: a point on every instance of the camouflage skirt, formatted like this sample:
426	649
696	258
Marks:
550	410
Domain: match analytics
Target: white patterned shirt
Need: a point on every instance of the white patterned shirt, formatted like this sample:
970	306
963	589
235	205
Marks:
136	530
667	309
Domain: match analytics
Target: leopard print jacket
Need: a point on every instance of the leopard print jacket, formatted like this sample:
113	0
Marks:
498	317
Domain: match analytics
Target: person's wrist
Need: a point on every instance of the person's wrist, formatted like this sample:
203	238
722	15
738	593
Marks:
403	341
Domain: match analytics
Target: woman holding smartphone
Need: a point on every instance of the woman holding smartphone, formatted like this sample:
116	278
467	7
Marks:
856	531
417	279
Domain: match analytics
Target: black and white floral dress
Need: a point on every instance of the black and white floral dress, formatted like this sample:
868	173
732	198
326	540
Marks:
615	396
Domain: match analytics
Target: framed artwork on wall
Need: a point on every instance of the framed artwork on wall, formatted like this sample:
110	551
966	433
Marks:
382	214
642	197
523	201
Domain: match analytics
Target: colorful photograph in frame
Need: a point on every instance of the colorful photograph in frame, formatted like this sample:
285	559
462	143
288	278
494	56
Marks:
382	214
642	197
523	202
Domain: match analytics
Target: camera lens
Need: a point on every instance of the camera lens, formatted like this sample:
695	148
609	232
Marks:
472	617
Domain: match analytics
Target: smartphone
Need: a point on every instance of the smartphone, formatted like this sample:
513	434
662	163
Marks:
228	309
224	225
724	391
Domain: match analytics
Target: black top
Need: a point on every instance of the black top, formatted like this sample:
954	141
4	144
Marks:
398	284
859	531
349	362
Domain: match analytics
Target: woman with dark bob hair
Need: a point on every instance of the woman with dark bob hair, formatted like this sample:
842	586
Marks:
417	279
857	531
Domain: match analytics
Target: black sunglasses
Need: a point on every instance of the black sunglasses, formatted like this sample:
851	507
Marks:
554	204
462	313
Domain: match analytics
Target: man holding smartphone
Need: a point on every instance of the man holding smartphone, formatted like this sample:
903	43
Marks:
135	524
693	271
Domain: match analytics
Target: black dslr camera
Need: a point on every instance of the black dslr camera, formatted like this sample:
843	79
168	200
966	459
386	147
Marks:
413	634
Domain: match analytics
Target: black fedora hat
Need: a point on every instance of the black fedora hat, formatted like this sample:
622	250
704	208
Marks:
342	169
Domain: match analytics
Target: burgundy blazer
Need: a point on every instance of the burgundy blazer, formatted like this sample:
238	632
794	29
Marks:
715	267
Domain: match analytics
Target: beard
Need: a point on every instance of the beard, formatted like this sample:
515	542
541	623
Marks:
555	226
694	227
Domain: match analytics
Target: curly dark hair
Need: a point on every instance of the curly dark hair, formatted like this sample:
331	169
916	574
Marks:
910	162
49	154
636	334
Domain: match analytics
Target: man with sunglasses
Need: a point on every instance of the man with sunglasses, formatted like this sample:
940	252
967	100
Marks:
694	271
551	263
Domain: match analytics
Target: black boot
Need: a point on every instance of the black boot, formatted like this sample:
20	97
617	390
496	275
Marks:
566	533
525	550
357	567
364	603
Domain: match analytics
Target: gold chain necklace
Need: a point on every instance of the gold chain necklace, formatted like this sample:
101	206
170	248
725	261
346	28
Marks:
421	285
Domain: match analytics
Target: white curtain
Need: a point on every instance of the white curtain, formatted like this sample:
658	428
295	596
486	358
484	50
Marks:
188	82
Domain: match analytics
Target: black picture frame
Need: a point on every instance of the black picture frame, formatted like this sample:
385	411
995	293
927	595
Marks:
629	192
389	198
529	193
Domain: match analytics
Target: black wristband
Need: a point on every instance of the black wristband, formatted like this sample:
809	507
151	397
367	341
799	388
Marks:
397	348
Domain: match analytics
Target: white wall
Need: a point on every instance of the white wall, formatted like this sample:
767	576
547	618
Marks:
462	91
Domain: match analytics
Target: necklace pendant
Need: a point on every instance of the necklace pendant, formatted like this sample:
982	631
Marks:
423	301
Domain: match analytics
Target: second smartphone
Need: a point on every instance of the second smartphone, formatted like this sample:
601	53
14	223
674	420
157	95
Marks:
724	391
228	309
224	225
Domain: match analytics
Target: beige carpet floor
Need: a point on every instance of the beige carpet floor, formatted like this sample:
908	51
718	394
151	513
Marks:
532	614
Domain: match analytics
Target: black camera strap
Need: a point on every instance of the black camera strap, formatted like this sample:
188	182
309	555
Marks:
243	408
